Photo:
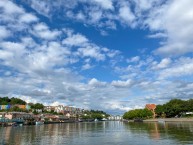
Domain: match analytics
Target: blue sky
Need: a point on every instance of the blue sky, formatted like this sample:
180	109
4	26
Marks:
101	54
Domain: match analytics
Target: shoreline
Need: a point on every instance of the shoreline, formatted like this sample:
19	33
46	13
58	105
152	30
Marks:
169	120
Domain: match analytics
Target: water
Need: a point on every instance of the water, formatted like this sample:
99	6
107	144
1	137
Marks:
99	133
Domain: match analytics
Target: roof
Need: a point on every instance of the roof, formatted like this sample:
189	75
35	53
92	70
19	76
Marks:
150	106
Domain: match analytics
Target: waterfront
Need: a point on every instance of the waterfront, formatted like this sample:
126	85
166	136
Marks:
95	133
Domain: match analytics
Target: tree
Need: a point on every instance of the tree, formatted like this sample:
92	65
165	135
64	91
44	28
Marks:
37	106
138	113
159	110
12	101
174	107
97	116
189	105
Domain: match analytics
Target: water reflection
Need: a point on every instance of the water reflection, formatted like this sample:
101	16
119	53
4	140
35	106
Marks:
179	131
108	133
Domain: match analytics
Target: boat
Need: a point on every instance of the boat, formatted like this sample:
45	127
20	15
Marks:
79	120
96	120
39	122
104	119
138	120
161	121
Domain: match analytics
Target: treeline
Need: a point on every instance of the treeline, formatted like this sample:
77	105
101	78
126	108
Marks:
11	101
94	114
174	108
138	114
16	101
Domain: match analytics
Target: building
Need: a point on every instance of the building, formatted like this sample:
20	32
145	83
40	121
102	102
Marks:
49	108
152	108
64	110
16	115
59	109
115	118
7	107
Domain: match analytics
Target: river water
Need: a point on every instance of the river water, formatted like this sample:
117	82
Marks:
99	133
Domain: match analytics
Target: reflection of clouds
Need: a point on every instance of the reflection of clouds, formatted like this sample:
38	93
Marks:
113	132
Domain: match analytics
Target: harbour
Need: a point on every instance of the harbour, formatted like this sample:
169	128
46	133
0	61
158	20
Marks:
100	132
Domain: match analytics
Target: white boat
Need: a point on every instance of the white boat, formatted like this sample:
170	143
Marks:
161	121
96	120
104	119
39	122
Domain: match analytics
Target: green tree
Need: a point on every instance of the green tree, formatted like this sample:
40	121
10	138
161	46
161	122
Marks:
159	110
189	105
138	113
37	106
14	101
174	107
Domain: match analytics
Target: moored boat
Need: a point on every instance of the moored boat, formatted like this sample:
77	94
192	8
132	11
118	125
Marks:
39	122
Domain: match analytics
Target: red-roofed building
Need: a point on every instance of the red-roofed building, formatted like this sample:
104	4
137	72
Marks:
152	108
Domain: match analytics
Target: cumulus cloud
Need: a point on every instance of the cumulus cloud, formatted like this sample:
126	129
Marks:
75	40
125	13
157	35
4	33
91	51
170	19
108	4
134	59
183	67
86	66
54	64
28	18
163	64
120	84
94	82
11	8
41	30
43	63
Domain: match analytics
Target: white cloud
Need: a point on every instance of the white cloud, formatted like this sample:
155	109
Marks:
121	84
107	4
95	15
10	8
134	59
49	65
4	33
182	67
41	7
91	51
87	66
170	19
75	40
80	16
157	35
125	14
41	30
163	64
94	82
28	18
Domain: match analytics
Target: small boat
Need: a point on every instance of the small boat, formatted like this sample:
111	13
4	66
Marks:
96	120
138	120
104	119
39	122
79	120
161	121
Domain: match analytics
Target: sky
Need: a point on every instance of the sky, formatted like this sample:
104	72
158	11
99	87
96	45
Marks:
110	55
